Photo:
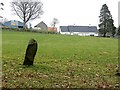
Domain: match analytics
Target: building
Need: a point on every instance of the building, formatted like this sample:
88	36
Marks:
1	25
79	30
14	24
54	29
41	26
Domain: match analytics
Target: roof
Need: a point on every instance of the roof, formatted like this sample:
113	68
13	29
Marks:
39	24
13	24
52	29
78	28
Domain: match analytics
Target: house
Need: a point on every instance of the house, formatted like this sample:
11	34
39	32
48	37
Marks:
52	29
79	30
14	24
41	26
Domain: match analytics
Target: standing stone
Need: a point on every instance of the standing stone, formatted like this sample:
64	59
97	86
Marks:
30	52
118	71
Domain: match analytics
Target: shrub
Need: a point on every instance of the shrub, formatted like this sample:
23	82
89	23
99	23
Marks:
43	31
29	30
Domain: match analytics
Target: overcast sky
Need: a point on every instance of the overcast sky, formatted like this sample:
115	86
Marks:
68	12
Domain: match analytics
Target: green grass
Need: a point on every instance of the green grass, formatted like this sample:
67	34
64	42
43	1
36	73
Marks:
61	61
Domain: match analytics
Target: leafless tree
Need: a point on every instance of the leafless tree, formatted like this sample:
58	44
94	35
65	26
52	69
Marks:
2	4
27	9
54	22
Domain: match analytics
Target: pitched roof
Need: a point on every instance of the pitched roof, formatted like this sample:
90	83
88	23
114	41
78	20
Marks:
39	24
78	28
13	23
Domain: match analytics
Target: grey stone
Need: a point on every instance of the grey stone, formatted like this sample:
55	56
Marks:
30	52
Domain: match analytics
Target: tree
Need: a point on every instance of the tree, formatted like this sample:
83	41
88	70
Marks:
118	33
106	22
54	22
2	4
111	27
27	9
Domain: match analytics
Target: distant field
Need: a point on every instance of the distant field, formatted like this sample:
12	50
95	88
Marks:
61	61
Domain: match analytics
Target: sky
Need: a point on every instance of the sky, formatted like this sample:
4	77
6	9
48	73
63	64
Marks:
68	12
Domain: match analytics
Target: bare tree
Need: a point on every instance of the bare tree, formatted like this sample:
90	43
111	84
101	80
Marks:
27	9
2	4
54	22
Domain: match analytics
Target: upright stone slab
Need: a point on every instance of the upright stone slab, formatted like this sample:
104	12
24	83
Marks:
118	71
30	52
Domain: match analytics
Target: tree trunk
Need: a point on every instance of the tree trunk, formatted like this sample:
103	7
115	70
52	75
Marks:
104	35
24	22
30	52
24	25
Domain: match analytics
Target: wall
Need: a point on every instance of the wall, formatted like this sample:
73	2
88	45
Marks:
80	33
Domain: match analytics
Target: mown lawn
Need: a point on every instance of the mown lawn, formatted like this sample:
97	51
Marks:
61	61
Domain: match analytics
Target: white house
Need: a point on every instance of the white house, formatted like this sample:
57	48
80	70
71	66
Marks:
79	30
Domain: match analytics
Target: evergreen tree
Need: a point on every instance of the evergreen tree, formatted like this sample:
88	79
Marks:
118	33
106	22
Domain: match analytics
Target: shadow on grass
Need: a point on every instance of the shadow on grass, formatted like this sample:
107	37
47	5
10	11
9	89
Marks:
38	68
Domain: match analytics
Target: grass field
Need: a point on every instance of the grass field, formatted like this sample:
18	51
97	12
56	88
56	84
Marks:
61	61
